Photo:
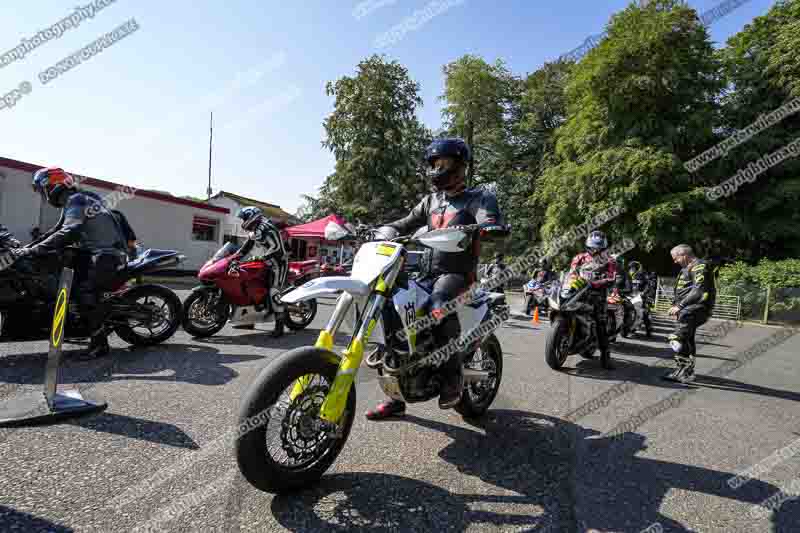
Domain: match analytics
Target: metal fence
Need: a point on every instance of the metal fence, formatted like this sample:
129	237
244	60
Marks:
727	307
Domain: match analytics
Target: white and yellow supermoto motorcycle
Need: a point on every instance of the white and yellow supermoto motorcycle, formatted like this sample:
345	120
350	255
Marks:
297	414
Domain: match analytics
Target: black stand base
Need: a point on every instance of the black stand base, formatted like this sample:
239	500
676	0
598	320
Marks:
32	408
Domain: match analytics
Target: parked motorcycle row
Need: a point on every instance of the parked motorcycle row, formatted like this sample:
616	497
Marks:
146	314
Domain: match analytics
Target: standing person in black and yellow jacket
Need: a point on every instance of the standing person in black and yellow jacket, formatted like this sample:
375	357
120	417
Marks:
695	295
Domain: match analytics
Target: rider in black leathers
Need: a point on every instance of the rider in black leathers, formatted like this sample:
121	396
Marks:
453	272
90	227
640	281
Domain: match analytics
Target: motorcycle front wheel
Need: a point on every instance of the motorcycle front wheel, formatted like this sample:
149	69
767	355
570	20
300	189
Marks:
199	318
301	314
281	446
556	349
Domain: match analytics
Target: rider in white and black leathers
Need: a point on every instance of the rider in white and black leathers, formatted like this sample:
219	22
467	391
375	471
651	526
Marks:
268	235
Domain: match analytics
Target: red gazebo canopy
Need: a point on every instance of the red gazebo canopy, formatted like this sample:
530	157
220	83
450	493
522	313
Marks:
316	228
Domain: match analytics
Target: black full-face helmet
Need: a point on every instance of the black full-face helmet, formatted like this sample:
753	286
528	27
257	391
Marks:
446	158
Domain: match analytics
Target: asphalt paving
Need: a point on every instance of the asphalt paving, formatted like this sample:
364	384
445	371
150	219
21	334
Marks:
545	458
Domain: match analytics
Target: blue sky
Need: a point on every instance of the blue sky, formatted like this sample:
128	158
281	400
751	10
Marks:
138	111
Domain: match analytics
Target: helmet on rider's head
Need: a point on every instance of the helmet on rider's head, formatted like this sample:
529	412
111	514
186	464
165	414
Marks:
52	184
250	217
448	159
596	242
634	267
544	263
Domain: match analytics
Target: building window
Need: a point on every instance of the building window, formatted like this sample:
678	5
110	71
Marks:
232	238
205	229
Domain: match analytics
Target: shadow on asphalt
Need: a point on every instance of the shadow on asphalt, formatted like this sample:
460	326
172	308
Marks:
139	429
642	374
531	458
19	521
661	352
189	364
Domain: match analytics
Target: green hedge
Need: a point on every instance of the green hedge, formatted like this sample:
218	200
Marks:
785	274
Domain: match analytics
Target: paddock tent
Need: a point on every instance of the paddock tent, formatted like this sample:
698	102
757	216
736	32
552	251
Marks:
316	229
308	240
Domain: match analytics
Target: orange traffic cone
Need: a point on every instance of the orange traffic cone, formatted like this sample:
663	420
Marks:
536	315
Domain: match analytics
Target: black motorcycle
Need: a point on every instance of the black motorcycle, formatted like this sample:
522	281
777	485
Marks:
573	328
142	315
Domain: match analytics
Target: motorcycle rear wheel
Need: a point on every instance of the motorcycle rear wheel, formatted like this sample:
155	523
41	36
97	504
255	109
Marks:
170	315
314	450
477	397
303	315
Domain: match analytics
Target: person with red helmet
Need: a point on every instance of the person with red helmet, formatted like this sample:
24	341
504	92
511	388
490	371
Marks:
604	268
88	226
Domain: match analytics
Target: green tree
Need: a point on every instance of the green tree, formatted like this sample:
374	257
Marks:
476	100
375	137
637	105
760	77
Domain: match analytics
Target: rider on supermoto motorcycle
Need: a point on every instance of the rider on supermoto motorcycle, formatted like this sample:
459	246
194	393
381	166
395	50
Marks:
451	205
267	233
102	250
605	269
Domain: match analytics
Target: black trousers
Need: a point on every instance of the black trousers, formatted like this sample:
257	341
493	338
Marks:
96	274
688	322
600	304
446	287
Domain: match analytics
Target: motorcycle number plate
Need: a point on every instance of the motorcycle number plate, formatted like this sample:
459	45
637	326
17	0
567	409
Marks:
385	249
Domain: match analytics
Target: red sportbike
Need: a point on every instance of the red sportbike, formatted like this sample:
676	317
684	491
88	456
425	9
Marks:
237	292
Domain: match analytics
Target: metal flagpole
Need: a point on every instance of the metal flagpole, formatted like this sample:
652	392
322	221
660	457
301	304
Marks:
210	138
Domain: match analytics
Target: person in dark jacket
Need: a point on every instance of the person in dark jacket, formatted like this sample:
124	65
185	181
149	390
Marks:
87	225
695	296
452	272
127	232
640	282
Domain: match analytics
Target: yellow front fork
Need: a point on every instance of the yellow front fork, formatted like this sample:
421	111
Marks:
324	341
336	399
